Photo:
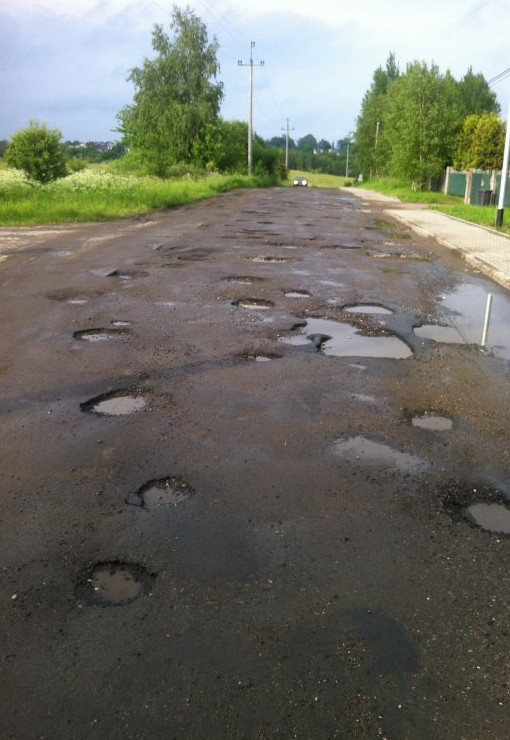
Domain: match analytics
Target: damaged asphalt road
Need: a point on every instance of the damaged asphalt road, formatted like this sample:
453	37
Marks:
242	497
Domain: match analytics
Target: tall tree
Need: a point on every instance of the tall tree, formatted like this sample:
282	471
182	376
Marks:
476	95
307	143
370	140
176	94
421	123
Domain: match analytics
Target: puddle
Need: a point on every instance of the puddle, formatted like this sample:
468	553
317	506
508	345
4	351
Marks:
243	279
258	303
433	422
261	258
114	583
164	492
491	517
262	357
464	311
297	294
368	308
443	334
342	340
77	301
366	451
121	323
97	335
349	245
114	404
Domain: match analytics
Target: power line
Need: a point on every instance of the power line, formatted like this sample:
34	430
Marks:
500	77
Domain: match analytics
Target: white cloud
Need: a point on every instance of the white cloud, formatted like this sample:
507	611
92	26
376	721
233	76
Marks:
69	59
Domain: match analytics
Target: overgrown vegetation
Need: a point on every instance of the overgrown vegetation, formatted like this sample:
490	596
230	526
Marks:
99	195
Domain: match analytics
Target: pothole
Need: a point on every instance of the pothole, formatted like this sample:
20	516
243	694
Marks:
368	308
243	279
259	303
433	422
99	335
262	356
491	517
338	339
297	294
114	583
114	404
348	245
442	334
482	506
370	452
162	492
269	259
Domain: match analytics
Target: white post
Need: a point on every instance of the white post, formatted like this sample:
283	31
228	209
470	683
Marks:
487	319
504	174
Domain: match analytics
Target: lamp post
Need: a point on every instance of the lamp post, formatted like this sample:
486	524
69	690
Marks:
504	175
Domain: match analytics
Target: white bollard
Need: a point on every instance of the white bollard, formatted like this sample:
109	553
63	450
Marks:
487	319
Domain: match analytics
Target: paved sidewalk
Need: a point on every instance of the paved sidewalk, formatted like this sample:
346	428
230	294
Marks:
484	249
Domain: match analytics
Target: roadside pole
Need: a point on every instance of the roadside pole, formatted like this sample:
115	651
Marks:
504	174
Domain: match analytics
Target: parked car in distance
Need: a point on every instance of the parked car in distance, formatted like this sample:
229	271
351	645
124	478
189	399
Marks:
300	182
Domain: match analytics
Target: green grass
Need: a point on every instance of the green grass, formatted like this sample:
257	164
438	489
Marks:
100	195
449	204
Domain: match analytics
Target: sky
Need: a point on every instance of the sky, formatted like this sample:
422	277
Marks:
65	63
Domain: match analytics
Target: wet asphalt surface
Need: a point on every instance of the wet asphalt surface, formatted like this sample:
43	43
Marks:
267	546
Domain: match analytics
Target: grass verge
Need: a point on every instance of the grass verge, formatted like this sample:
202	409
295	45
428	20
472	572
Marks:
99	195
448	204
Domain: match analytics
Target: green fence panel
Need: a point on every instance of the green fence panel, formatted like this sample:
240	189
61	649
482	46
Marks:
457	184
481	183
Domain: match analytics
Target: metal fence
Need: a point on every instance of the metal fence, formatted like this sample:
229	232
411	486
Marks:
476	187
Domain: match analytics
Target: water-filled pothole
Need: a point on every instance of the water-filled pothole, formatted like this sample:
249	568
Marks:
491	517
113	583
370	452
368	308
269	259
433	422
444	334
99	335
262	357
259	303
114	404
243	279
342	340
464	310
161	492
297	294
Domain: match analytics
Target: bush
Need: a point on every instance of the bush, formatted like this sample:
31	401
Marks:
37	151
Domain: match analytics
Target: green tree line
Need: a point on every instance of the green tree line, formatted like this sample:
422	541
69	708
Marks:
415	123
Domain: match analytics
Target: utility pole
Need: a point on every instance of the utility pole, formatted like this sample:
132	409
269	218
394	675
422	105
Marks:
287	130
347	159
250	107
